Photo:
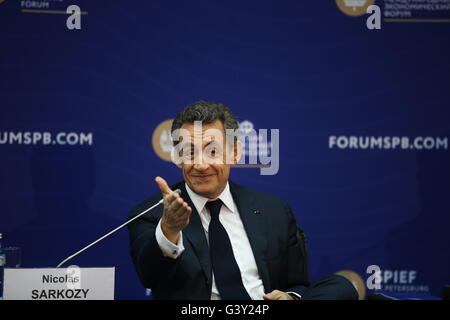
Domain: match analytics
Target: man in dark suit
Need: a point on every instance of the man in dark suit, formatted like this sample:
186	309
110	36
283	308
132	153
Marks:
219	240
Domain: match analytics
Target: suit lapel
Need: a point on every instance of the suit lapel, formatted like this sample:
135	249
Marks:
255	227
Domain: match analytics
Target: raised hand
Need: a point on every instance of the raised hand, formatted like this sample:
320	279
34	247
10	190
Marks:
176	212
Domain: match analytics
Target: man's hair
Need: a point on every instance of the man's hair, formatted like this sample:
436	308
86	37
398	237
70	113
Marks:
207	112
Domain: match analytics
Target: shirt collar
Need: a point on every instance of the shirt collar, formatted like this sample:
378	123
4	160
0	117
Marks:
200	201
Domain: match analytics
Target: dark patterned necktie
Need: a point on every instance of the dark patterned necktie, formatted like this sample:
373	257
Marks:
226	270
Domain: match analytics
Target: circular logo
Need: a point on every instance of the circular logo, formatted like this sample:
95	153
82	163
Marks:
354	8
162	140
245	127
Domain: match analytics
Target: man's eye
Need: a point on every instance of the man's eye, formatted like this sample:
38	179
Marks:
187	154
214	152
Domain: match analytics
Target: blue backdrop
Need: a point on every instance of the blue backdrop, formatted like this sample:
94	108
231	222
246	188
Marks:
304	67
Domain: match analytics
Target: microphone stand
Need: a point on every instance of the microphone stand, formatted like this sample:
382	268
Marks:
113	231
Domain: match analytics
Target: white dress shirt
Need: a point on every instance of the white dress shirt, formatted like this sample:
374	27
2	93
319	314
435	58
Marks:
231	220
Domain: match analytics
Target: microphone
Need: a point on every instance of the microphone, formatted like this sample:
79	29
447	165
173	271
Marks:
113	231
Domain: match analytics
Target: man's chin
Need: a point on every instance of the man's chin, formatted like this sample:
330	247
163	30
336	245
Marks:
203	189
205	192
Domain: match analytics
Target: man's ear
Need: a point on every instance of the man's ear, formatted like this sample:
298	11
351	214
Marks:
237	152
175	159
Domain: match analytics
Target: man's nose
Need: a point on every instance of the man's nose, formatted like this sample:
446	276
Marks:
201	166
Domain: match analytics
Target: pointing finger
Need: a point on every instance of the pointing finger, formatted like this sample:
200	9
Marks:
163	186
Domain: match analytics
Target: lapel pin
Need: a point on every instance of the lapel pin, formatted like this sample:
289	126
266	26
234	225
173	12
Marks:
256	212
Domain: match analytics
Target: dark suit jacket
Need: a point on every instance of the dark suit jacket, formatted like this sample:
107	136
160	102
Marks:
277	242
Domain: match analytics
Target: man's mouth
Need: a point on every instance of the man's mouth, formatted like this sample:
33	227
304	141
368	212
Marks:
202	177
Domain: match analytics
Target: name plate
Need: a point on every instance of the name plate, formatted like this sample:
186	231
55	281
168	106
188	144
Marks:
72	283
